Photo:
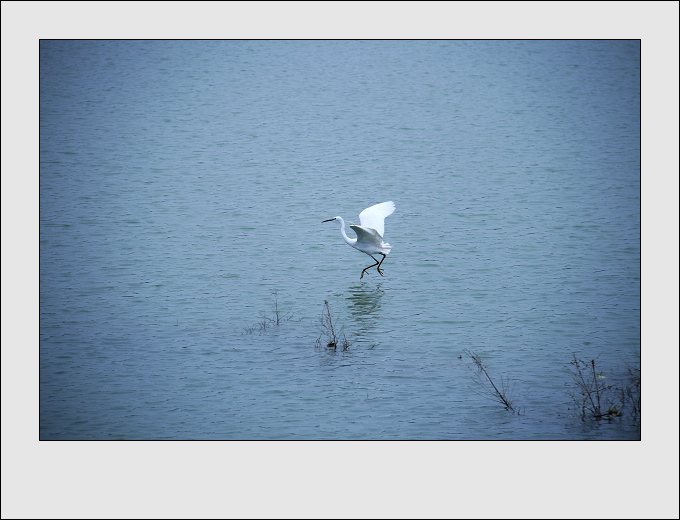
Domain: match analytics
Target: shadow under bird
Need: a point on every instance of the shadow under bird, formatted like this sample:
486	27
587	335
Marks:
370	233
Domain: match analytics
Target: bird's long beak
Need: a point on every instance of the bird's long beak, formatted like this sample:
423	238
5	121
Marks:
328	220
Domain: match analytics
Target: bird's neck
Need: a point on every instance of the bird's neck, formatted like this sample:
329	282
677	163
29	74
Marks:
350	241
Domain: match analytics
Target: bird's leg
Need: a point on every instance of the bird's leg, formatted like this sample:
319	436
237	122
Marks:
376	263
381	261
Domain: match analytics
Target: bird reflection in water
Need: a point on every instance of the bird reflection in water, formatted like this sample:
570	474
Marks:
364	303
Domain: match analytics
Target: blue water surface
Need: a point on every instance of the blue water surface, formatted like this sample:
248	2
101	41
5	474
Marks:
182	189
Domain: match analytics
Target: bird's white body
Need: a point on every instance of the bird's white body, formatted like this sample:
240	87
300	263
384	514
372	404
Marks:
370	233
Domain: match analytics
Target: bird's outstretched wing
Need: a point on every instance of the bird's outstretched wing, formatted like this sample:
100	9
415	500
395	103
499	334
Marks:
367	236
374	217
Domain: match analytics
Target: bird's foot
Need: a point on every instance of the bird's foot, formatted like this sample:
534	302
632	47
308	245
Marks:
362	275
381	272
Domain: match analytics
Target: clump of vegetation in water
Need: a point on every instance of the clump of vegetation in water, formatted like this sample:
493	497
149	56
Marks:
334	337
276	318
488	389
600	400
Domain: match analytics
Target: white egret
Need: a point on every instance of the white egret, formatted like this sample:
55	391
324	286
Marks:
370	233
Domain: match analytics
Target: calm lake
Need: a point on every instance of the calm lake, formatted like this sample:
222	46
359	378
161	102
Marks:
183	186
